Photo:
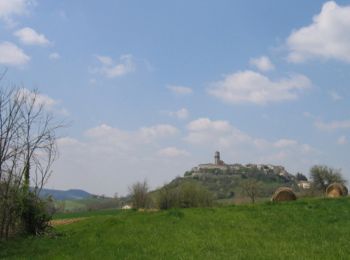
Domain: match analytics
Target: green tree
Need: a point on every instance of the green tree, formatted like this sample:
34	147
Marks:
322	176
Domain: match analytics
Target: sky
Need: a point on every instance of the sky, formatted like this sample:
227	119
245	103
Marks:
150	89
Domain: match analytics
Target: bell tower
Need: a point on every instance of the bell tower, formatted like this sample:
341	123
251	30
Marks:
217	158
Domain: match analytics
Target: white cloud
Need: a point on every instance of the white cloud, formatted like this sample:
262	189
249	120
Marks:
54	56
180	114
342	140
335	96
206	124
11	55
242	147
285	143
333	125
10	8
40	99
158	131
143	135
47	102
263	63
29	36
105	60
109	159
110	69
327	37
172	152
253	87
180	90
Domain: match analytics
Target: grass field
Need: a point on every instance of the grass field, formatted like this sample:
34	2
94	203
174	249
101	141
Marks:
306	229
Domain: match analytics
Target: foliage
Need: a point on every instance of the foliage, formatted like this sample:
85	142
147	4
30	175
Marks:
300	177
36	214
252	188
139	195
27	151
261	231
322	176
186	195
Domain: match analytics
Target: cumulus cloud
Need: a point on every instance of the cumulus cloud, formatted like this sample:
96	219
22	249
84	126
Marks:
40	99
285	143
240	146
111	69
143	135
12	55
342	140
180	114
333	125
253	87
107	159
180	90
172	152
327	37
54	56
11	8
29	36
335	96
45	101
262	63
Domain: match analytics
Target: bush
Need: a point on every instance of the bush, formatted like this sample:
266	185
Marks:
36	214
139	195
187	195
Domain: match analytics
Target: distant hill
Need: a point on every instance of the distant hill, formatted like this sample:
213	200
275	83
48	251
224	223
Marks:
225	180
73	194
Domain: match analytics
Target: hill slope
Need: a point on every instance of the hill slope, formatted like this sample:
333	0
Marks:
307	229
73	194
226	183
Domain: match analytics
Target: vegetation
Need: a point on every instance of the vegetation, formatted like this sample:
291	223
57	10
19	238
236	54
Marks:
322	176
270	231
139	195
27	151
186	195
252	188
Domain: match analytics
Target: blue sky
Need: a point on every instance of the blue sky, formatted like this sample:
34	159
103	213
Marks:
152	88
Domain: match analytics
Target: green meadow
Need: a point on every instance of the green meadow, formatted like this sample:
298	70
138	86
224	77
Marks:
305	229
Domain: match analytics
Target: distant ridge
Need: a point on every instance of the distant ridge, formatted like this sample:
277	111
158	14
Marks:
72	194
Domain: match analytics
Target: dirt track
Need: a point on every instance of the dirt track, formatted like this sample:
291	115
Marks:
58	222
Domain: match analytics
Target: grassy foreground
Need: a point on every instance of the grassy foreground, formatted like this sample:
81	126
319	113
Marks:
309	229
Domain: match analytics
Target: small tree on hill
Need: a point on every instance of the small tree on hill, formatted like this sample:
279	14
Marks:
251	188
322	176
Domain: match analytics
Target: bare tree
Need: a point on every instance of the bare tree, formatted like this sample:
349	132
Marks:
27	151
139	194
251	188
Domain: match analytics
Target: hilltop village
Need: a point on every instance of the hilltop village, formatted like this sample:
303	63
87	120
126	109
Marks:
220	167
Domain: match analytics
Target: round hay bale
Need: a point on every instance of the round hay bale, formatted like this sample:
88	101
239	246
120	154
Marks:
284	194
336	190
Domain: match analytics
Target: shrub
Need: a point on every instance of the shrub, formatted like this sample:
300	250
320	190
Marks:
139	195
187	195
36	214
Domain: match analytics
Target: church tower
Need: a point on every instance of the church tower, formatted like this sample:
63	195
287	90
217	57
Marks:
217	158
